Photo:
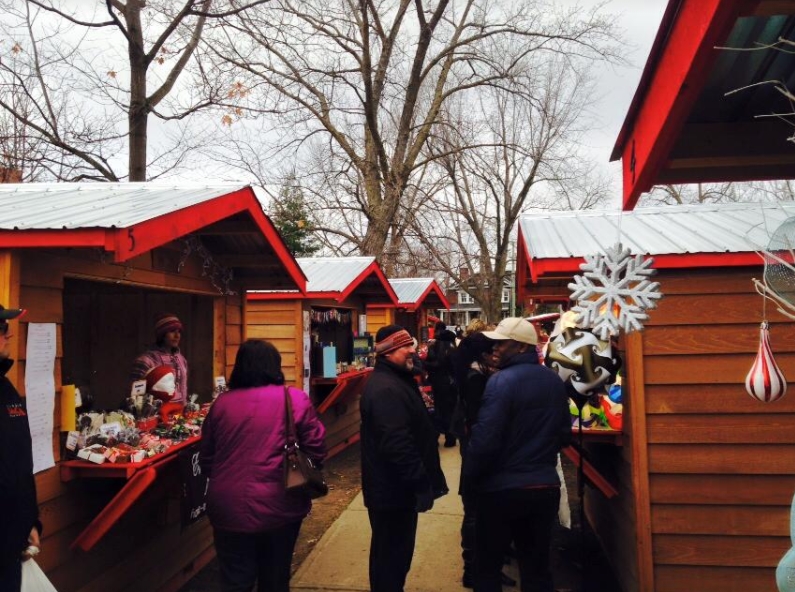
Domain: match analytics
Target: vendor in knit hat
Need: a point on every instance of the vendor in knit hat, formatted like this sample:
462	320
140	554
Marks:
165	352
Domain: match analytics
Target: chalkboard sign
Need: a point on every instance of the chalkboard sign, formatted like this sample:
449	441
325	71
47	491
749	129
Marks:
194	486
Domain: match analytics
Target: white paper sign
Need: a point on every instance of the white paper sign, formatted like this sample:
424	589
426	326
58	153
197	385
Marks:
40	391
306	344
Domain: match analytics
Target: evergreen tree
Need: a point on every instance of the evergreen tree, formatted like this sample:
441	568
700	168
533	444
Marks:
291	218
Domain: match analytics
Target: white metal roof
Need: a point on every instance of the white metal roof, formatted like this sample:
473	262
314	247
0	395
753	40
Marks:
711	228
33	206
410	290
332	274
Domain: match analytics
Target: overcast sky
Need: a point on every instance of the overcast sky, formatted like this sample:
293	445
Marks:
639	20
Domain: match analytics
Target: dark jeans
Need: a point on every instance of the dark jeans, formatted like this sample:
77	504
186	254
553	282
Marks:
263	558
11	576
391	548
526	516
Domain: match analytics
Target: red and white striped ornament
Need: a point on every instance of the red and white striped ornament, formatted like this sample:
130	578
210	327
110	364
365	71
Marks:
765	382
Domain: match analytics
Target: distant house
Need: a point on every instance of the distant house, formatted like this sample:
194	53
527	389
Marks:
463	307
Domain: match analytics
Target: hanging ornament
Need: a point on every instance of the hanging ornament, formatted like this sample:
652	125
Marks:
765	382
614	292
584	362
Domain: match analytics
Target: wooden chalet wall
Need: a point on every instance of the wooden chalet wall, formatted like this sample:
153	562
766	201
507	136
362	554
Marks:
146	549
280	322
721	465
379	317
706	473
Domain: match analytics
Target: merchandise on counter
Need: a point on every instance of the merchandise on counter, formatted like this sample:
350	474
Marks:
598	412
121	437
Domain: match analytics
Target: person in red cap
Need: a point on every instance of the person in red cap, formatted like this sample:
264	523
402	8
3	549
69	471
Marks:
19	519
165	352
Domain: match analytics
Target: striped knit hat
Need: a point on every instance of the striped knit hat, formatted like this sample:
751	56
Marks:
165	322
390	338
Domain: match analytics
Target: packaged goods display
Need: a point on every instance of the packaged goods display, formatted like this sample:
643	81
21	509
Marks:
129	437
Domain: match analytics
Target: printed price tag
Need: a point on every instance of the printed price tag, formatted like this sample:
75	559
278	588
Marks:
138	388
71	440
110	429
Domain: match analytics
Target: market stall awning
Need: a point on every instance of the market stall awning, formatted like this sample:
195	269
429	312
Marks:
682	127
339	278
415	293
224	221
706	235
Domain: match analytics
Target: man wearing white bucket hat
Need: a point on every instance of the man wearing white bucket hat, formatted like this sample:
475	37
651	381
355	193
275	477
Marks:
522	424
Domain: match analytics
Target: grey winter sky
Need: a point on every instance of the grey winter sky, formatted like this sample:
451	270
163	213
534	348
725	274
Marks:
639	20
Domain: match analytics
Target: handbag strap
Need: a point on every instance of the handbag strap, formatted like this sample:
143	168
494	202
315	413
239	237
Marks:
289	421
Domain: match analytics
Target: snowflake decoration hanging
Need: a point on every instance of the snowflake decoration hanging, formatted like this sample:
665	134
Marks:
614	292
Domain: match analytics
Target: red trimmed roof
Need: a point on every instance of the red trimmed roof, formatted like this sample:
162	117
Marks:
413	292
681	126
228	219
370	283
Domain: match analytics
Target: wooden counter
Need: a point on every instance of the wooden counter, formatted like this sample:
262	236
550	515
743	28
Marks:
139	476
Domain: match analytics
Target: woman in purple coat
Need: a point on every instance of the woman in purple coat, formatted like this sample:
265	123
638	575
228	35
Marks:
255	522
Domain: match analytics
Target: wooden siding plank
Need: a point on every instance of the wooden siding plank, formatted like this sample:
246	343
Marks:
234	314
710	399
10	270
231	354
282	316
263	308
707	309
45	304
220	337
726	429
708	281
48	268
698	369
678	578
717	550
720	520
271	331
745	490
731	459
636	408
717	339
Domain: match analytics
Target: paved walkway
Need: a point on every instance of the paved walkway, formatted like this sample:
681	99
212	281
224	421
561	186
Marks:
339	560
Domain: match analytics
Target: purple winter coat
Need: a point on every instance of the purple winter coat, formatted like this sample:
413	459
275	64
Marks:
242	453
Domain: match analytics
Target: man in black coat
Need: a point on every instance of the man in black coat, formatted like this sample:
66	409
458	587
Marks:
19	518
401	474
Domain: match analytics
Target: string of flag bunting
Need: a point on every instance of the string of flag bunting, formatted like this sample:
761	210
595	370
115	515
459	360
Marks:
331	315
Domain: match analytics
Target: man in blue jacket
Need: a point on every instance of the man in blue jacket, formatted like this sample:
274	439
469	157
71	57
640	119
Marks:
522	424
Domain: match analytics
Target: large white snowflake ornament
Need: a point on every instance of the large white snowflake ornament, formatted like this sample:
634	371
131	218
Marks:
614	292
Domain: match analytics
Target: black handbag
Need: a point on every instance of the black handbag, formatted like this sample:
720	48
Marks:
301	475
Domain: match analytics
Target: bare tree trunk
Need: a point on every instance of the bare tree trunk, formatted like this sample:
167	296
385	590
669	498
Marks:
138	113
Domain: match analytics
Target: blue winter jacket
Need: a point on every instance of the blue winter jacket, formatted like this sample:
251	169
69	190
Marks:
522	424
